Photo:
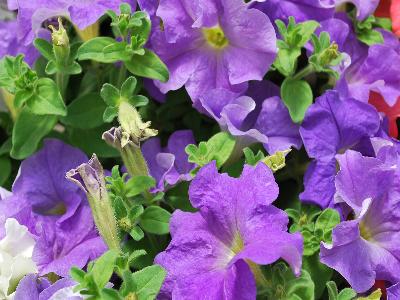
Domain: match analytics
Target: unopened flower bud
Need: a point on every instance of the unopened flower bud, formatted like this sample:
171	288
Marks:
60	41
90	178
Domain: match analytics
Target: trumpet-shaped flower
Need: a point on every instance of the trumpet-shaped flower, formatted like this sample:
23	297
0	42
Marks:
213	44
214	251
367	248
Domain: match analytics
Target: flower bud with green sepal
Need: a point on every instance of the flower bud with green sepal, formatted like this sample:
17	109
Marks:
90	178
60	40
325	55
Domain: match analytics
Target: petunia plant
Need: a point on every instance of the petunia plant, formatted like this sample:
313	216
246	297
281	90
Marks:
199	149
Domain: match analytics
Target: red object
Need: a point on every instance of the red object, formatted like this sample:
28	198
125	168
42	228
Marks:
380	284
395	16
391	112
383	10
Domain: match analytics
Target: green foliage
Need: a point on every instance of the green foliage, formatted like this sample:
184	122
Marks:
334	294
85	112
133	29
65	65
275	162
325	55
5	167
282	284
25	137
113	97
155	220
219	148
297	96
366	29
293	38
40	95
143	284
314	225
319	273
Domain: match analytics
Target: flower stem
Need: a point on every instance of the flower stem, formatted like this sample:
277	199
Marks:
304	72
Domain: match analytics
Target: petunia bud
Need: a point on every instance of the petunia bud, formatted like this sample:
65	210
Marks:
60	41
127	138
90	177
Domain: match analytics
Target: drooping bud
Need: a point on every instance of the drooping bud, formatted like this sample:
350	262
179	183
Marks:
90	178
60	41
130	152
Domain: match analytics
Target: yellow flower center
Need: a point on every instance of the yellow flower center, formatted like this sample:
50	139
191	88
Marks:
215	37
237	244
365	232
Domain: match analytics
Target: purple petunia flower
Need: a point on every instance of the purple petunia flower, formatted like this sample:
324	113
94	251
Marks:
10	45
367	248
372	73
55	211
260	116
393	293
213	251
301	10
213	44
169	165
331	126
32	14
364	7
33	288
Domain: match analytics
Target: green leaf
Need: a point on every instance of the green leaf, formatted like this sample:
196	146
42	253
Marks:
148	65
51	68
297	96
110	94
90	141
77	274
139	184
155	220
319	273
219	148
349	294
136	233
110	114
110	294
376	295
117	51
5	167
128	87
45	48
332	290
28	131
103	268
47	100
93	49
371	37
301	287
325	223
148	282
85	112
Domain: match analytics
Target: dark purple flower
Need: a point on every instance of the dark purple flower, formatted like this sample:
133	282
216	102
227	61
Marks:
213	251
169	165
213	44
54	210
367	248
331	126
258	117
